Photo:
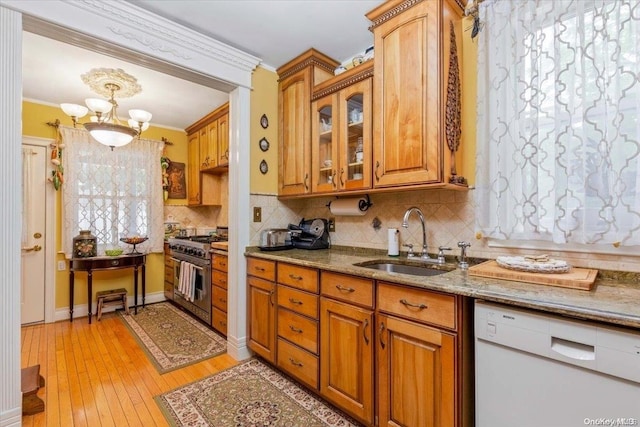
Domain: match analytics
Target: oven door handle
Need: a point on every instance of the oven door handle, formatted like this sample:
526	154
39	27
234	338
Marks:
195	266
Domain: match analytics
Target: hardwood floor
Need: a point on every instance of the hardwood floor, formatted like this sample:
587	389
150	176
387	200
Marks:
98	375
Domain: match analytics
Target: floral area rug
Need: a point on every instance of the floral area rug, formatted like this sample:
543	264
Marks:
249	394
172	338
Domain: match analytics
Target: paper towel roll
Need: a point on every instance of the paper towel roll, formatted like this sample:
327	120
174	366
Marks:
349	207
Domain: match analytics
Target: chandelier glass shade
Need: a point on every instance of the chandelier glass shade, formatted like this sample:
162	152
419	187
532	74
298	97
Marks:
104	125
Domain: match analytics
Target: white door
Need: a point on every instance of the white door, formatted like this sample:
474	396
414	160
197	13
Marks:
34	193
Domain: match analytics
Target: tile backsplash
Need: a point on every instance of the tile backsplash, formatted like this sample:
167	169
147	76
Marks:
198	216
449	218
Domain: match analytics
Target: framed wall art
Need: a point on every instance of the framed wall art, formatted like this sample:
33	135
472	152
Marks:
177	181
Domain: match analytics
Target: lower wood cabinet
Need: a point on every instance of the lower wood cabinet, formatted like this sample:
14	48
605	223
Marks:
416	374
385	353
219	292
261	305
346	357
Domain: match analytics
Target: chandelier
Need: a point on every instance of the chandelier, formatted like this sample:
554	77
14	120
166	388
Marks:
104	125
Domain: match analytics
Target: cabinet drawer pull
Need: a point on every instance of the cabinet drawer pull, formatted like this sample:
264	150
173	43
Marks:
295	301
294	329
341	177
377	167
271	297
222	300
344	288
364	331
224	264
295	362
409	304
260	269
294	277
380	334
306	177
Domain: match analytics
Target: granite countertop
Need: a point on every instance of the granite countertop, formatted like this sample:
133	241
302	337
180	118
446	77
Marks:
614	299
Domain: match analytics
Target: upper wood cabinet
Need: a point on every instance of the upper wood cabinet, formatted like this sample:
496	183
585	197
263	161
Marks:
213	131
341	132
193	170
297	79
206	138
411	44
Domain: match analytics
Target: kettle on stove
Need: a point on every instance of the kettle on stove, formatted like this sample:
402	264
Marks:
313	234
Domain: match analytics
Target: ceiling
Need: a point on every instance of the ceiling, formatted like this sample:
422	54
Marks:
275	31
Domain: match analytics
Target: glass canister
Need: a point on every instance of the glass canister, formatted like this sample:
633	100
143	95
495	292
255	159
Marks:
85	245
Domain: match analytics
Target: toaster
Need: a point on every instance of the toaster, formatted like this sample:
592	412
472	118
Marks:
275	239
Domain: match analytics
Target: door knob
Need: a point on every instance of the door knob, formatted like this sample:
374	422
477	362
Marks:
35	248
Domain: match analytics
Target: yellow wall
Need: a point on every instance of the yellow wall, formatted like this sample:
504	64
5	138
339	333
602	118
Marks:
264	100
468	84
34	119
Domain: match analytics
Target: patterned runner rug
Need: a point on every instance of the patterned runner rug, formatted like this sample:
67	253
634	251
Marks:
171	338
249	394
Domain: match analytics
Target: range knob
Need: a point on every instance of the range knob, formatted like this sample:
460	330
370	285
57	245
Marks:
190	251
199	252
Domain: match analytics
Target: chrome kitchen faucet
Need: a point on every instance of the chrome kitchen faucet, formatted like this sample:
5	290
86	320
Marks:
405	224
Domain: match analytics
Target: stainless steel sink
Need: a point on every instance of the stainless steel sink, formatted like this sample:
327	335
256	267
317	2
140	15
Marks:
412	268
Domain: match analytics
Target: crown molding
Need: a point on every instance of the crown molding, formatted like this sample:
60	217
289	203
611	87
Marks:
130	27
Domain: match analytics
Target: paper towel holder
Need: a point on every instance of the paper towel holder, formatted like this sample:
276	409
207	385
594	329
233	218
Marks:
363	205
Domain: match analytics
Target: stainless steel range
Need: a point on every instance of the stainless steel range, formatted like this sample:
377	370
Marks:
192	272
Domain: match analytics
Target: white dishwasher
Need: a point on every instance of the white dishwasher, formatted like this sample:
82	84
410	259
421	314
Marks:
541	370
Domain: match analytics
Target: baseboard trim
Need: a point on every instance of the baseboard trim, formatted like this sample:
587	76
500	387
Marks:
80	310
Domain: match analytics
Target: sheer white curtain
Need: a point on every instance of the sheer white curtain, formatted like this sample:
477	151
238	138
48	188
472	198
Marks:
558	144
112	193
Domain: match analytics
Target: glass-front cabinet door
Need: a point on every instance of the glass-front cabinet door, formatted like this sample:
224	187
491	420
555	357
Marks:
324	146
354	104
341	140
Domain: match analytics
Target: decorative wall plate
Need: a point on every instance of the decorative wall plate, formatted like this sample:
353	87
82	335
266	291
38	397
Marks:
264	167
264	144
264	121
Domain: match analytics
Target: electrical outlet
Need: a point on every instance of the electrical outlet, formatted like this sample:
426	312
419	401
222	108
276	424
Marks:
332	224
62	265
257	214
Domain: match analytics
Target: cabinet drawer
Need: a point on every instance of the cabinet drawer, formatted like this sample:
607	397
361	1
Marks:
219	321
298	277
298	301
219	298
219	278
299	363
347	288
417	304
168	274
219	262
298	329
262	268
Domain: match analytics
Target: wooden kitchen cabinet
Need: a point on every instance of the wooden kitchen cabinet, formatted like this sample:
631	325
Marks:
194	196
416	374
206	138
341	132
298	324
261	304
219	273
169	273
347	343
346	359
422	358
297	78
411	42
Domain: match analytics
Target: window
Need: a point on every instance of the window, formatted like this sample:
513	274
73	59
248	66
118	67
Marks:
558	130
114	193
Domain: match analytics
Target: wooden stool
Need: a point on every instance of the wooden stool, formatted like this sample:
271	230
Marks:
112	297
31	381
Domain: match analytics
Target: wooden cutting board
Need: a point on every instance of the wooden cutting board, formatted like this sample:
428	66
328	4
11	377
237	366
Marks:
577	278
